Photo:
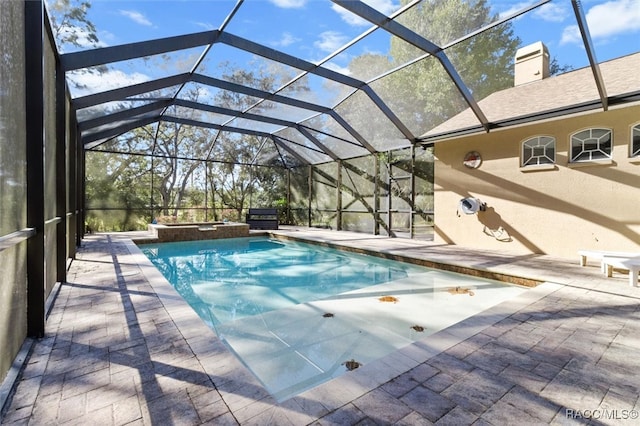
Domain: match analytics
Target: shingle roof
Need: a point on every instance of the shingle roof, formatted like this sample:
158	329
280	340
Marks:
563	91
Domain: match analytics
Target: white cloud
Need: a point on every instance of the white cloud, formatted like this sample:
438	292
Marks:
386	7
552	12
287	39
337	68
207	26
514	7
289	4
136	17
607	20
330	41
84	83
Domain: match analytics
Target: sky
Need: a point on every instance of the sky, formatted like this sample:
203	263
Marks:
314	29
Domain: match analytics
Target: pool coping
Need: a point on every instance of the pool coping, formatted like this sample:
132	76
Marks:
406	258
229	373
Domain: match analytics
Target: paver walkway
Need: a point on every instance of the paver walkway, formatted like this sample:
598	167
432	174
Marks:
122	348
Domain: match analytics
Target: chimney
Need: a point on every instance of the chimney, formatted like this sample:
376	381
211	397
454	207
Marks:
532	63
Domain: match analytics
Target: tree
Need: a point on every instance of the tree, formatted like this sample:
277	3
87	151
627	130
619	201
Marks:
70	24
234	181
423	95
555	68
119	185
174	174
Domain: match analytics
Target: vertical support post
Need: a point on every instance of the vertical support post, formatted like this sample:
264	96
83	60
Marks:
206	190
83	194
78	190
339	196
73	181
413	190
153	152
34	110
376	195
152	213
310	186
289	196
61	175
251	187
390	193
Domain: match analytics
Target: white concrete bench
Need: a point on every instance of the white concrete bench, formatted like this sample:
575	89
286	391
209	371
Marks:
599	254
623	262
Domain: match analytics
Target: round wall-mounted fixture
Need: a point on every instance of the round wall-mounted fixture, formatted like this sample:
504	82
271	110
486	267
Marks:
472	160
471	205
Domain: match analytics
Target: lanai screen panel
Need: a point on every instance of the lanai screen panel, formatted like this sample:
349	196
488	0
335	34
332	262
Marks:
268	153
114	125
100	110
123	201
421	94
316	90
443	26
369	57
397	60
423	199
254	125
339	138
369	121
299	198
281	110
50	168
199	115
245	68
325	195
13	182
266	87
343	148
120	74
358	196
303	146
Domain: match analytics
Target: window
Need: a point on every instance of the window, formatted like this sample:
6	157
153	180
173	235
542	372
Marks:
635	141
539	150
591	144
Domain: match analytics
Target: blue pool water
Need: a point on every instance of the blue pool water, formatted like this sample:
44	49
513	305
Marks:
294	313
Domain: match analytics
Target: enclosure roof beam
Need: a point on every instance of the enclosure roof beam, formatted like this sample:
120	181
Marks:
232	112
234	87
297	156
591	53
124	114
264	119
125	92
317	143
105	55
389	114
353	132
119	94
255	157
197	123
277	121
370	14
283	58
140	88
110	133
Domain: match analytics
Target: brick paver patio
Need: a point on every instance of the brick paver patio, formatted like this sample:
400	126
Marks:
123	348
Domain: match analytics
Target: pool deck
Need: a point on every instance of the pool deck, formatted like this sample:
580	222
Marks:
122	348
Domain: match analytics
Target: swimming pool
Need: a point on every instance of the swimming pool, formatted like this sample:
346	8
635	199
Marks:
299	314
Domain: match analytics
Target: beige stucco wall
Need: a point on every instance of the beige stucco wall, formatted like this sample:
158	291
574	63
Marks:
556	211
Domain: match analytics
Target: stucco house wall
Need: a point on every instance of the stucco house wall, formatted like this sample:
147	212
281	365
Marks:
556	210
